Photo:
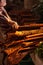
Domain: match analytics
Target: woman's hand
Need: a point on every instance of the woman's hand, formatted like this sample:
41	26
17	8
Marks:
15	25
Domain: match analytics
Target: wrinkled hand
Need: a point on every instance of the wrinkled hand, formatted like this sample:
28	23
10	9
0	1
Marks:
15	25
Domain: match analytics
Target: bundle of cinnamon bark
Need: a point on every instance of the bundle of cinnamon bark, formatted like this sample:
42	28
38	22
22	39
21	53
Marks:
18	44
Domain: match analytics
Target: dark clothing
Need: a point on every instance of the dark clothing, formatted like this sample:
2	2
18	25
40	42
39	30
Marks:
4	24
4	28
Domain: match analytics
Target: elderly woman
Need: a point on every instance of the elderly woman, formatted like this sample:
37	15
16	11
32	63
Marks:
5	20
